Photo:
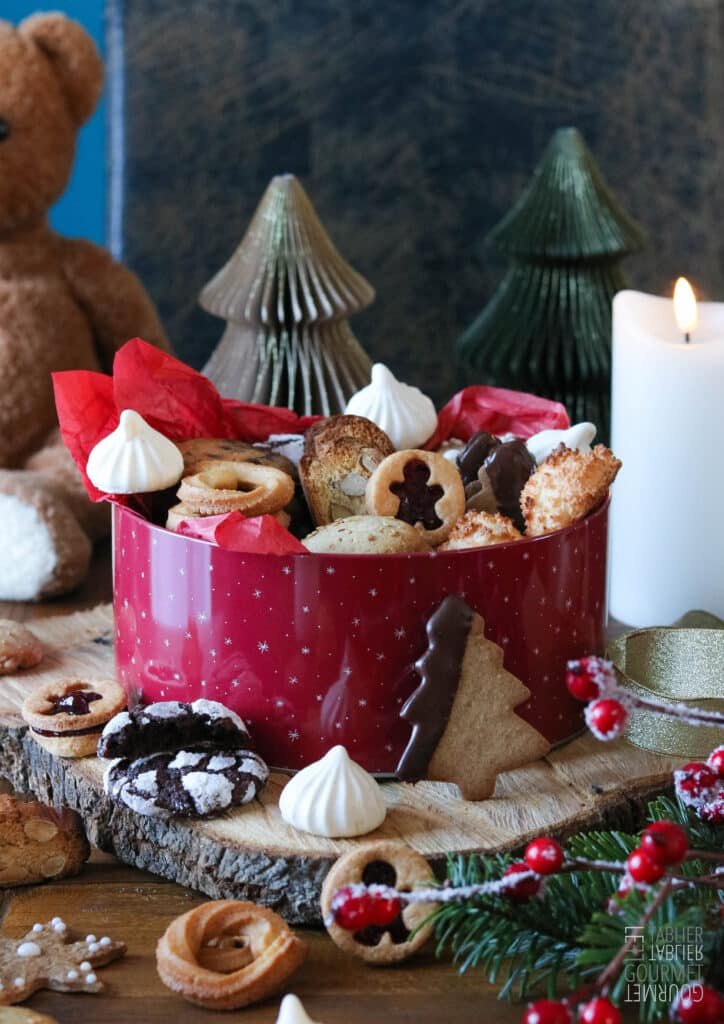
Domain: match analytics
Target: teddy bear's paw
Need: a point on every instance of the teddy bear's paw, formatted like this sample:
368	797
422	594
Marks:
43	550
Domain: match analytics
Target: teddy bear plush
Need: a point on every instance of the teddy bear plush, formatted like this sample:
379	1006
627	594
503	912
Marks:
64	304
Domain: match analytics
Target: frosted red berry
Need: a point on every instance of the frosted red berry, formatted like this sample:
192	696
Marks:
599	1011
665	841
693	780
585	677
544	856
547	1011
713	811
643	867
355	911
606	718
523	890
698	1004
715	761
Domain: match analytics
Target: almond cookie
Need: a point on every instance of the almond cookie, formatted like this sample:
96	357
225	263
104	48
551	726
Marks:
421	488
228	953
246	487
68	716
172	725
566	487
38	842
479	530
366	535
464	726
45	958
189	783
341	454
19	648
386	863
202	451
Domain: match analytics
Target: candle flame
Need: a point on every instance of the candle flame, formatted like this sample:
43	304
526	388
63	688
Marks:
685	306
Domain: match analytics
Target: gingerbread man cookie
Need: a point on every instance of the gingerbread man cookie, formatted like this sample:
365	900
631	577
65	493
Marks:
45	958
68	716
422	488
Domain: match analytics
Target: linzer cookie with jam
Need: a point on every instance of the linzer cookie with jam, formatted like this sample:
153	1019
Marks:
68	716
464	726
172	725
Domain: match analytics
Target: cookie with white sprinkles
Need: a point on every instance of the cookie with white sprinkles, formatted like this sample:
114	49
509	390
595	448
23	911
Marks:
172	725
190	783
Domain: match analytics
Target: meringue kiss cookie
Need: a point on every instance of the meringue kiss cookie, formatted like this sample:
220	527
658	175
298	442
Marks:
134	459
578	438
406	415
333	797
291	1011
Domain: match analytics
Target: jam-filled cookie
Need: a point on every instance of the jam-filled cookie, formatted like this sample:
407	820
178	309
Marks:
421	488
387	863
68	716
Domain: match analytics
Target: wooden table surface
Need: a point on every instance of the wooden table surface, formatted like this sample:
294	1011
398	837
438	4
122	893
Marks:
109	898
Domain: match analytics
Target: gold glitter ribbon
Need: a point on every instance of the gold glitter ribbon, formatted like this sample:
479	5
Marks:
683	663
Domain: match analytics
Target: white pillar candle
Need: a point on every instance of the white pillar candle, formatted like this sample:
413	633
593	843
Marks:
667	513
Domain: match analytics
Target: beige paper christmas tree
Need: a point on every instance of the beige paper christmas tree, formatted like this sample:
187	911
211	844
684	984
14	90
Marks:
286	294
464	725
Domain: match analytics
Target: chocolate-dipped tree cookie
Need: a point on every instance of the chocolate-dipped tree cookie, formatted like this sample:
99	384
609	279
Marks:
464	726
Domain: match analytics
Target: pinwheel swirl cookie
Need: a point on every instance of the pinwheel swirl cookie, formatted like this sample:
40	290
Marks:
227	954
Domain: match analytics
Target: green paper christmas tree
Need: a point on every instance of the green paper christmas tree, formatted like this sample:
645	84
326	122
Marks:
547	329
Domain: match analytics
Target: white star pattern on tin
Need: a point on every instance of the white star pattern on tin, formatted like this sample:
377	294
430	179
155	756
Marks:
167	642
400	633
293	680
227	641
202	617
412	579
348	670
305	650
362	702
212	652
356	621
257	593
320	697
373	592
262	647
380	656
279	702
189	635
569	603
182	572
330	570
305	609
505	641
293	735
286	569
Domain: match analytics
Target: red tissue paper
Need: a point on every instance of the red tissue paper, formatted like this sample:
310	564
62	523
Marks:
499	411
173	398
262	535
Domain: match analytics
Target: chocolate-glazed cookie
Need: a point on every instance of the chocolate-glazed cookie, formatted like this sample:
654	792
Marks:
487	465
172	725
189	783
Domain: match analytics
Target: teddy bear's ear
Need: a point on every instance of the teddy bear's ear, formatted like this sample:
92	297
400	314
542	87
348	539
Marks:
74	57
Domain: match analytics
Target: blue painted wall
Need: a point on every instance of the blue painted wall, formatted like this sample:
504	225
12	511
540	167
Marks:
81	210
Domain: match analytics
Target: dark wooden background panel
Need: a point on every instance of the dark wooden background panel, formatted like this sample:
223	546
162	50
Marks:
414	125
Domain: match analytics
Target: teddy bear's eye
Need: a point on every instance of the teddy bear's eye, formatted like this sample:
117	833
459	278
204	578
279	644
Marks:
4	129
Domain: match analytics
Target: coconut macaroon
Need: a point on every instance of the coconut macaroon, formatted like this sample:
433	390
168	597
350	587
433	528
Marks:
566	487
480	530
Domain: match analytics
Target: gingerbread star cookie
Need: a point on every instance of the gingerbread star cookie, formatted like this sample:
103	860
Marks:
464	726
45	958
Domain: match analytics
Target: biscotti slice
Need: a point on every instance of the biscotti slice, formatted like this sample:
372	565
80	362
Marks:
341	454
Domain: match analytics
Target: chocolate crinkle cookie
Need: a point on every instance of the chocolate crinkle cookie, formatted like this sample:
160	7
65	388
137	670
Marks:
172	725
190	783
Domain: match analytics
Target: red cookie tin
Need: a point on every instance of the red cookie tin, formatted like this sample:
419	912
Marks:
313	650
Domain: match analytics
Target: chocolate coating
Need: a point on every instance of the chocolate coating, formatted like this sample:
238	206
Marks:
507	466
429	707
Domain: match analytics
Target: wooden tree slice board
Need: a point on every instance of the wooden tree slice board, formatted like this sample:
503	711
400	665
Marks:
251	853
